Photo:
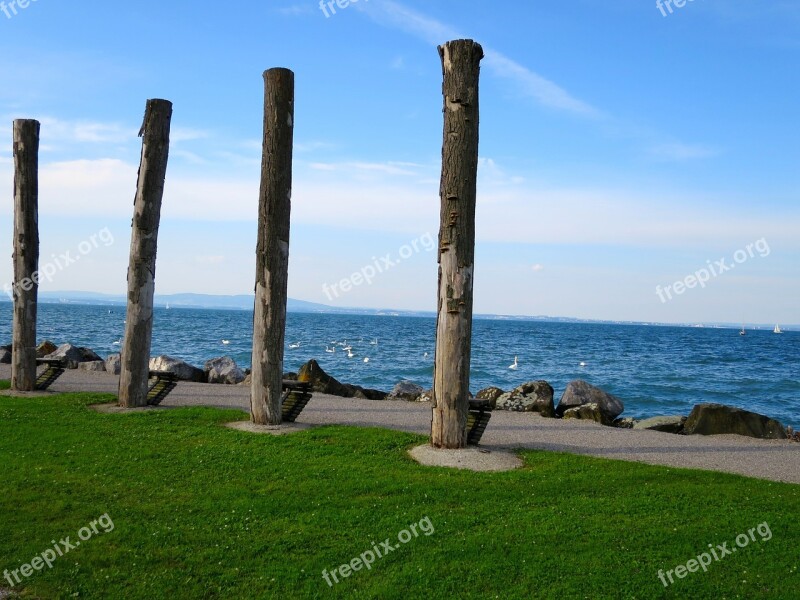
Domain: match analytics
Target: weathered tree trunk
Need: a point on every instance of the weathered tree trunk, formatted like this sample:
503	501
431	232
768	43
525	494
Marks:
272	253
144	244
461	69
26	254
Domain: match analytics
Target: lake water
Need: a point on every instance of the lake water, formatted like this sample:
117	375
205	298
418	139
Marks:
654	370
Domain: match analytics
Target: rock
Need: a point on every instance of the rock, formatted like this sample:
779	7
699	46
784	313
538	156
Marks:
426	396
492	394
534	396
579	392
223	370
72	356
588	412
325	384
673	424
5	355
93	365
45	348
626	423
114	364
406	390
183	370
366	394
321	381
248	380
716	419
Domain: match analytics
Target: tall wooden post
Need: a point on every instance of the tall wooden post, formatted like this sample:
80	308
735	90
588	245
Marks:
461	70
26	254
272	253
144	243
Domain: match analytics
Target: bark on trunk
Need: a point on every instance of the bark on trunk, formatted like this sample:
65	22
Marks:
26	254
272	253
144	243
461	69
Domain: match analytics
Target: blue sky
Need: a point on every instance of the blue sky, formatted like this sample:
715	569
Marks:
620	149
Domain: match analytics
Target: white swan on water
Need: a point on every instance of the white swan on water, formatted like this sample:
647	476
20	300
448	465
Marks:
330	350
294	346
350	353
515	365
583	364
366	360
226	342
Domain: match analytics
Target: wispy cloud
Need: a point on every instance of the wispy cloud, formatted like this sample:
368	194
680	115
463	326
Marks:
187	134
310	146
389	168
531	84
57	131
678	151
295	10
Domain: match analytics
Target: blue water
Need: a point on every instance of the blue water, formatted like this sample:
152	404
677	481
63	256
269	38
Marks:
655	370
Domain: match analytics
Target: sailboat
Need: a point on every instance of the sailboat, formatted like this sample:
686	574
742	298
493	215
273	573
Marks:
777	329
742	332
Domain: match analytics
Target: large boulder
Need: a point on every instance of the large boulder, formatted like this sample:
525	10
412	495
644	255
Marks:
223	370
114	364
45	348
716	419
5	355
673	424
184	371
72	356
589	412
320	381
96	366
492	394
406	390
579	392
325	384
534	396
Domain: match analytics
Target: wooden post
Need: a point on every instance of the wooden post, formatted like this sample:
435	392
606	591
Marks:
461	69
272	253
26	254
144	243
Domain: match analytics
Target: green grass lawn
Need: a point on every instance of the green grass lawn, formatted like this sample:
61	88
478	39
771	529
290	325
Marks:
5	385
202	511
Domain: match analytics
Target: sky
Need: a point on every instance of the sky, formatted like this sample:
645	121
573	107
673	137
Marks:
624	150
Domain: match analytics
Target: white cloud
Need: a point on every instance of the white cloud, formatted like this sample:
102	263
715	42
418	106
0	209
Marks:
381	197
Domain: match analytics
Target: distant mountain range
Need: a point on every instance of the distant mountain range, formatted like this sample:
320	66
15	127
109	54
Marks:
245	302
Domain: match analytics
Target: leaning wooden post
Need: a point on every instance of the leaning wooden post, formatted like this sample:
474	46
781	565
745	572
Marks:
26	254
461	69
272	253
144	241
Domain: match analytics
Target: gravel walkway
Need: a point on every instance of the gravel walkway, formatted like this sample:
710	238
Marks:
765	459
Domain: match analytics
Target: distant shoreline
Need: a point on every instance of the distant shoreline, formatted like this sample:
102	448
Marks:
303	307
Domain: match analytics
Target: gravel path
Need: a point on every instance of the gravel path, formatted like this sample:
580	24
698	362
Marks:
765	459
